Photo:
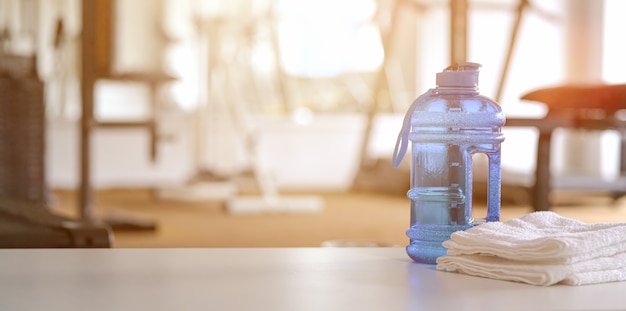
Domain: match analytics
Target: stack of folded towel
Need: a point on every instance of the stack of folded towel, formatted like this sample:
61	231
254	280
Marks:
541	248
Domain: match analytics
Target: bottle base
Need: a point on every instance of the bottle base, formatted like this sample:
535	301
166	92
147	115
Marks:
425	252
425	246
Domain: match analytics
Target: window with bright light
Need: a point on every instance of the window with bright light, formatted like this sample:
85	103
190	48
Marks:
328	37
614	47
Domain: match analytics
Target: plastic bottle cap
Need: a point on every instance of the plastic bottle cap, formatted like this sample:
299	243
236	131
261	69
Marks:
459	75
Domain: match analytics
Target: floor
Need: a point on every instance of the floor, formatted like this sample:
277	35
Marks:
348	218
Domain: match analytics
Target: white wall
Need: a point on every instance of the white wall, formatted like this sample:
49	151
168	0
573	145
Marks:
321	155
120	156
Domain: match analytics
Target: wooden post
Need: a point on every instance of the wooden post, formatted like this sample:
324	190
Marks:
458	31
96	51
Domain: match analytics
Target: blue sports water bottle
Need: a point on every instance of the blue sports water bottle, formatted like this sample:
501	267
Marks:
446	126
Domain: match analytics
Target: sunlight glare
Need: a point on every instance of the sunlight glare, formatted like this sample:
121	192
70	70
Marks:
328	37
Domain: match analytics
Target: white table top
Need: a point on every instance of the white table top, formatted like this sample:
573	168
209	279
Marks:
267	279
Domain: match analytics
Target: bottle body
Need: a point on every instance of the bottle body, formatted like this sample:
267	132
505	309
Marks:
448	127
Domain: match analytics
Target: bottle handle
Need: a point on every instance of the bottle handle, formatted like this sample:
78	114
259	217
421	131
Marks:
403	137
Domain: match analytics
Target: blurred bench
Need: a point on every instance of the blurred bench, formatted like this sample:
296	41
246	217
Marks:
588	107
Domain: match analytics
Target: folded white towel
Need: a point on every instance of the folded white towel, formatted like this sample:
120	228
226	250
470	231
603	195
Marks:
540	248
598	270
541	237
